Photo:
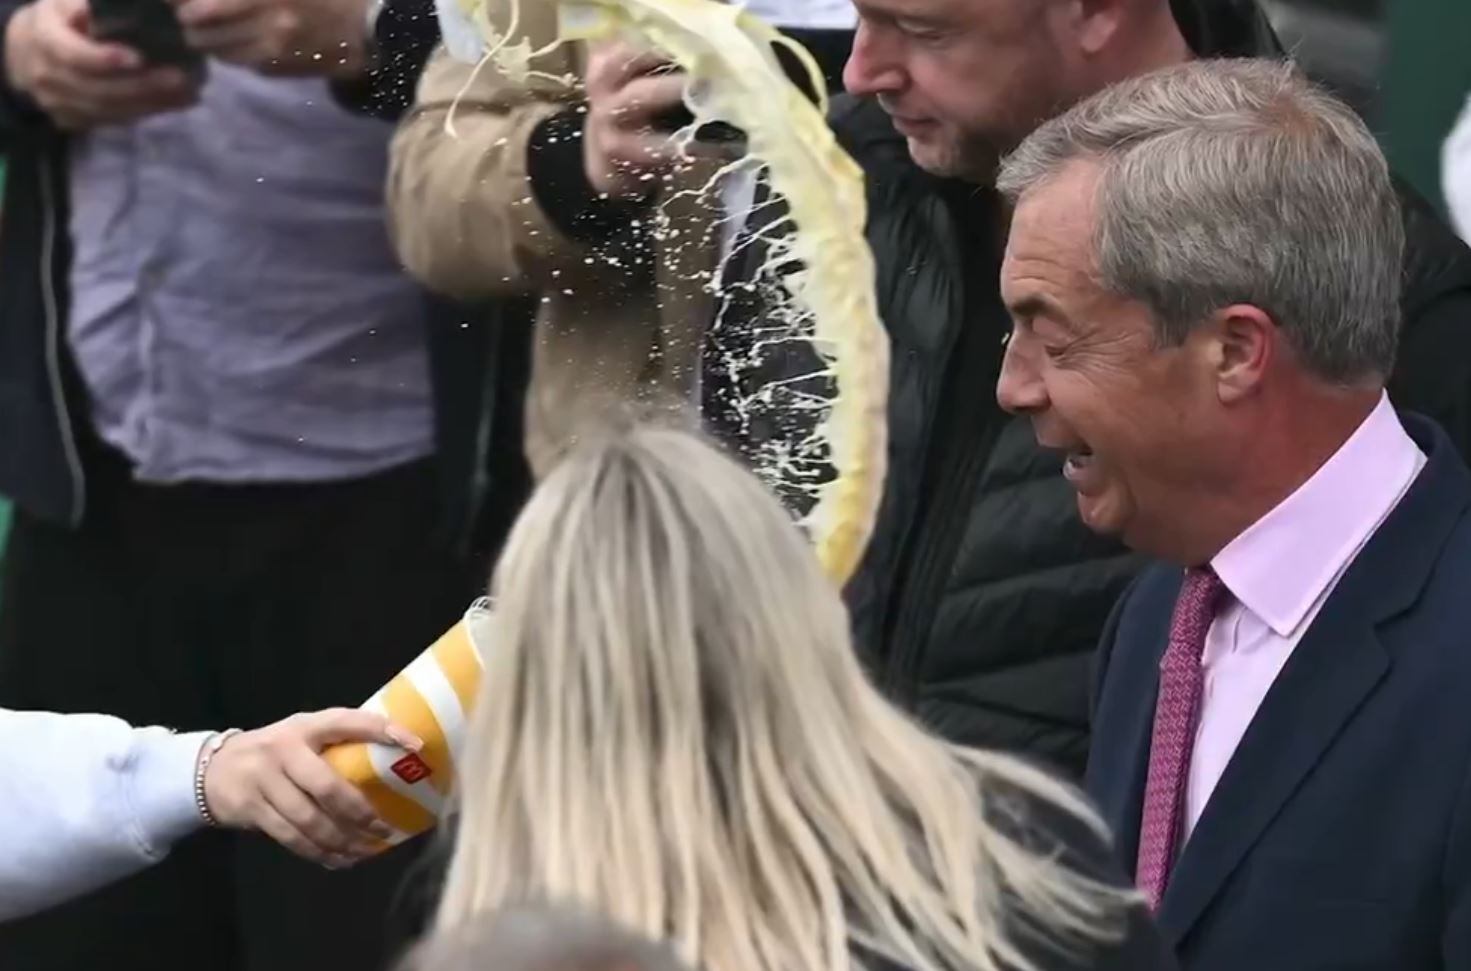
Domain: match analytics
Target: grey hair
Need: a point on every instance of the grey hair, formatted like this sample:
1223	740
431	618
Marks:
541	938
1238	182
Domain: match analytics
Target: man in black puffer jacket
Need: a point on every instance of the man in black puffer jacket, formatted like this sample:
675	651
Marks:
982	595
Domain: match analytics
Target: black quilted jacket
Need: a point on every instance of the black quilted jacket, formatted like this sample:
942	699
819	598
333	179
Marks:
982	595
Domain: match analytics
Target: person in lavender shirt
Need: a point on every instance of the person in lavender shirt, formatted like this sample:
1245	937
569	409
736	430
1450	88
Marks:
218	424
1204	277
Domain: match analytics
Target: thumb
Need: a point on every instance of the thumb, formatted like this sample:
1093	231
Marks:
77	15
337	725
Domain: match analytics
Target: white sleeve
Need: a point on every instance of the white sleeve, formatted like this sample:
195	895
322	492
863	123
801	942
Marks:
1456	174
84	800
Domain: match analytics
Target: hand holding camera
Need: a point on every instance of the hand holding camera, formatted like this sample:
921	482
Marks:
55	56
627	89
108	62
635	102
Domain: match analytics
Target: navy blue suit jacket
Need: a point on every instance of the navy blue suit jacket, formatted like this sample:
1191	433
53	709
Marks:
1339	837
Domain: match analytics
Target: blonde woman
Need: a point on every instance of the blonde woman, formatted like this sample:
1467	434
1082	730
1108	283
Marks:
673	730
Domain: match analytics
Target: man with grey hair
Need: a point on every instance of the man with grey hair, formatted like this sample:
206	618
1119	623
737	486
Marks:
542	938
982	595
1203	278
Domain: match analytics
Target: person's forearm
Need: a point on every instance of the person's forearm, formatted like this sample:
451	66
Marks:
86	799
461	210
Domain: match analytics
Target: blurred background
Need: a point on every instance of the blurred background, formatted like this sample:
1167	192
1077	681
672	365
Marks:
1405	64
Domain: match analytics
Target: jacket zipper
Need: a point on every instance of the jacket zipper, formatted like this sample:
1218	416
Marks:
52	305
966	446
916	600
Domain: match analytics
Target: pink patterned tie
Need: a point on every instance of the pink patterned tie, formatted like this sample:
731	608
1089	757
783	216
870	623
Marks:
1176	713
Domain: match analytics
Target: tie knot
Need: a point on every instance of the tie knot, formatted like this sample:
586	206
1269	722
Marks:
1203	583
1200	596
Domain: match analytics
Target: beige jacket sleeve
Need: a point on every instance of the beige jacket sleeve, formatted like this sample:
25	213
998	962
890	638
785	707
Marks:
462	210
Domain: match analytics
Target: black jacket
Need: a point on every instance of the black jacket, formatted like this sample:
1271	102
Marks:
982	595
478	368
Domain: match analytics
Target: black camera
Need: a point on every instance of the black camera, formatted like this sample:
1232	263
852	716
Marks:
149	26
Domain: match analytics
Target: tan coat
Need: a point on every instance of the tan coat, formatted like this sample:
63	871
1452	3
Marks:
465	221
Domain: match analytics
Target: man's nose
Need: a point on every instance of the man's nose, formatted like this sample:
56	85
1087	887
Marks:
1020	390
871	68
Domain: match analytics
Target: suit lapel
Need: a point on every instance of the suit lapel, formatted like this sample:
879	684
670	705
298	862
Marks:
1330	675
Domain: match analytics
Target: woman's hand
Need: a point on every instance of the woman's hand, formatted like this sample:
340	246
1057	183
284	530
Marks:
274	780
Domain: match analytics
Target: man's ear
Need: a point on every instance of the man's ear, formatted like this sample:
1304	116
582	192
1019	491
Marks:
1244	345
1096	23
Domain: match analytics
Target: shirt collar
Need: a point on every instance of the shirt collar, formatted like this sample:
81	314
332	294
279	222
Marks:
1283	564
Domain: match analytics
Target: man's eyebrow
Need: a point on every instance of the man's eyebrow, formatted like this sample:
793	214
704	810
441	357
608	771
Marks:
1036	305
893	12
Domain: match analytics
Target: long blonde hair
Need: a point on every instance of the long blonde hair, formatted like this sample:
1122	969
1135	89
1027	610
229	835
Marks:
673	729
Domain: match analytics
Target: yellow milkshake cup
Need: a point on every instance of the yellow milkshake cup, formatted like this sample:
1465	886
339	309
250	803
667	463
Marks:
432	698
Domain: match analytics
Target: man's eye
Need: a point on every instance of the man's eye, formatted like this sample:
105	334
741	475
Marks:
1054	352
921	32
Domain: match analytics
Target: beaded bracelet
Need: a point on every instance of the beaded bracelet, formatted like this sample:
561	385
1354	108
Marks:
206	755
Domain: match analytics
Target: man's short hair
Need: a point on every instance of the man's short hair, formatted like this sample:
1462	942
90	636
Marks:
543	938
1238	181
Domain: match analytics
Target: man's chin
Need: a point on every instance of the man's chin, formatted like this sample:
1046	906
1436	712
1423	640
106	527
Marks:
934	157
1101	515
949	161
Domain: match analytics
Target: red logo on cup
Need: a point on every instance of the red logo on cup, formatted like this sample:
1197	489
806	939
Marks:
411	769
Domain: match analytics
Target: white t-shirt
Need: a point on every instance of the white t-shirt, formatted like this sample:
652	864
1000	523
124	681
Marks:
1456	174
809	14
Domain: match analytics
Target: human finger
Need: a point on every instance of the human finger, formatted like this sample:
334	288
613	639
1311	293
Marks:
304	816
339	799
219	38
337	725
636	105
268	821
67	48
200	14
615	63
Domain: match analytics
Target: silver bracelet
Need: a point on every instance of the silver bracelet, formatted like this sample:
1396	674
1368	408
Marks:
212	745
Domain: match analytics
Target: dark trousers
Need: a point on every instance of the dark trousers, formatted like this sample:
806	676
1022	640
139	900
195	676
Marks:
209	607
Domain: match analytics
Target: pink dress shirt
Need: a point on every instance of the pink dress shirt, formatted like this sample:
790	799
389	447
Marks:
1279	574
